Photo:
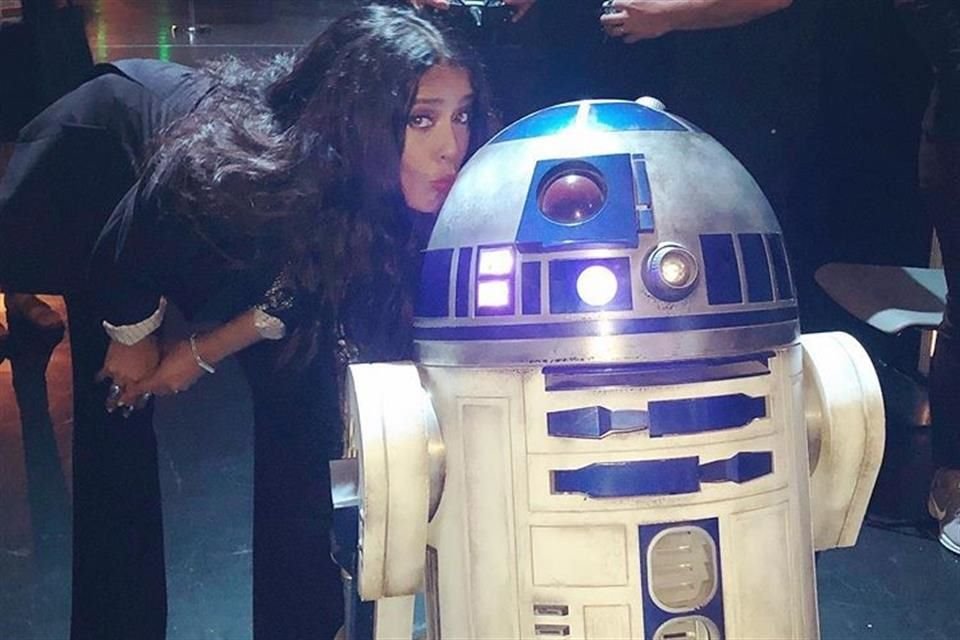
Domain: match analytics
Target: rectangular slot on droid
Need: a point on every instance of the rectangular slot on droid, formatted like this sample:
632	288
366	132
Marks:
553	630
551	610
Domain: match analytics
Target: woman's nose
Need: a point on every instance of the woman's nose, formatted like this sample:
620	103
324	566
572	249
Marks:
447	143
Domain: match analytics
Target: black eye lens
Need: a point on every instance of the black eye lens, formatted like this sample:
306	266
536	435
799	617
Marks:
572	196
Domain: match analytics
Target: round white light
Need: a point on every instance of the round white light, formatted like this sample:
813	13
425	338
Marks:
596	285
671	272
675	269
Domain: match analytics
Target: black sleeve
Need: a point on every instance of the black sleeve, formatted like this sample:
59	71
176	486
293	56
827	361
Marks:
128	262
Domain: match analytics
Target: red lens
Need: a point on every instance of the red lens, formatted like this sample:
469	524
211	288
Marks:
572	197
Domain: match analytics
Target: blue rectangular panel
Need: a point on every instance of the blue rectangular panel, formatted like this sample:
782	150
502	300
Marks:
433	300
781	271
631	479
463	282
740	468
699	415
644	195
614	224
645	220
756	267
720	269
634	478
563	285
530	288
593	423
586	422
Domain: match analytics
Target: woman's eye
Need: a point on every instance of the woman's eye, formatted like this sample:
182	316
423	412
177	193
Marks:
462	118
420	121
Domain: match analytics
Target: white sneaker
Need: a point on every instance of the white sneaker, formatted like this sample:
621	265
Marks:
944	505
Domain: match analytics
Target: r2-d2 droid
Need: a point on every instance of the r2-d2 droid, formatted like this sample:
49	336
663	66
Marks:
614	429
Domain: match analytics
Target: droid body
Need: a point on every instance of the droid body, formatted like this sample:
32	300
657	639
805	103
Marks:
613	421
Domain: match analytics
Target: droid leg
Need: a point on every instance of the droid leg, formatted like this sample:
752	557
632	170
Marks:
843	406
394	482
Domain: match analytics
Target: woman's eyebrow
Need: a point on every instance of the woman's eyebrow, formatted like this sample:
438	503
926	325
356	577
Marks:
432	101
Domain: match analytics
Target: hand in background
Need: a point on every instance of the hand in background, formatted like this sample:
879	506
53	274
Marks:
635	20
521	7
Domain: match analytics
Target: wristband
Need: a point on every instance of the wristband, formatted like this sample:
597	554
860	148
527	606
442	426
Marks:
203	364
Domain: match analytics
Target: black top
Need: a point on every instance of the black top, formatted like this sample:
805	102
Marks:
145	253
74	162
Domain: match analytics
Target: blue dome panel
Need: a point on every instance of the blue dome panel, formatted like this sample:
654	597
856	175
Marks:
602	116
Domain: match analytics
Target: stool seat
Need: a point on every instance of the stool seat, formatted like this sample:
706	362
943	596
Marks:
888	298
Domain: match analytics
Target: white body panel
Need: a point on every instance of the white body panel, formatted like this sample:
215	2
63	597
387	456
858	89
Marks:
505	542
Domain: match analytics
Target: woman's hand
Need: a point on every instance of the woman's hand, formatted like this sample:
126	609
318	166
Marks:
126	365
180	367
178	371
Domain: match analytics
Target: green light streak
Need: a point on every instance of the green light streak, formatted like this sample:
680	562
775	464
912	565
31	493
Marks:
101	45
163	32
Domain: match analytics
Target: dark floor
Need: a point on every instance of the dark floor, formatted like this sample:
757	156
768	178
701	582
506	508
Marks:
897	583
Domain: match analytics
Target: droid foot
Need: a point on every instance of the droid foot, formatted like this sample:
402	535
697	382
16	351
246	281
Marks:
944	505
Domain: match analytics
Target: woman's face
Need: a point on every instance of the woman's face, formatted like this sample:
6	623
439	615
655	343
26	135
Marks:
437	137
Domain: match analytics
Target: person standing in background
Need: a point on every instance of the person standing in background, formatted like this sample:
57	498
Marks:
747	73
936	26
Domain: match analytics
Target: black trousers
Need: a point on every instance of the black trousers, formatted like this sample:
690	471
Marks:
119	585
940	186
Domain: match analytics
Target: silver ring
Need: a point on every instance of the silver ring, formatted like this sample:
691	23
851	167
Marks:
114	392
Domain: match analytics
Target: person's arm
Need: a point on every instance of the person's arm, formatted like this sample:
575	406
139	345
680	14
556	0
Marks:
186	361
125	267
635	20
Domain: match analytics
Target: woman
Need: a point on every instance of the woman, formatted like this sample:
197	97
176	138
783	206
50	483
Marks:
318	191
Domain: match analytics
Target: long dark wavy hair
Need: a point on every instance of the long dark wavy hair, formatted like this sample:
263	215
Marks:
295	164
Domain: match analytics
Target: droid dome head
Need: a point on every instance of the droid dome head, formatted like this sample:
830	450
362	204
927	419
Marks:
603	232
